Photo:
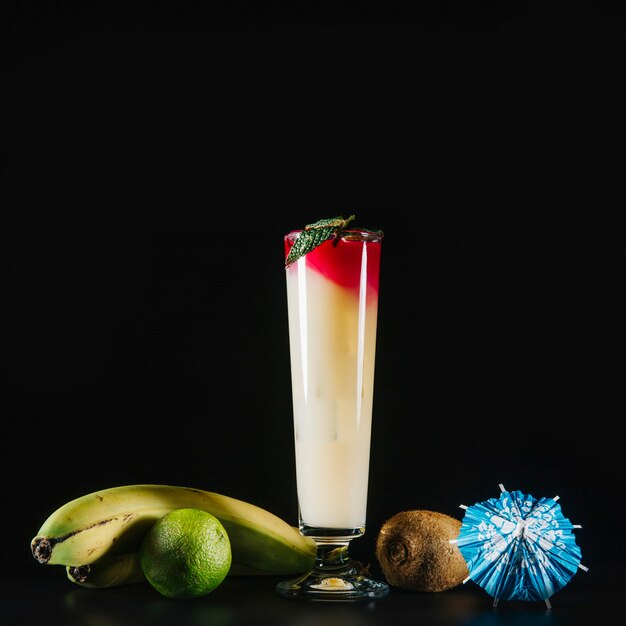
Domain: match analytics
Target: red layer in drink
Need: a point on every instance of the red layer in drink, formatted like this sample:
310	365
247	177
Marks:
340	261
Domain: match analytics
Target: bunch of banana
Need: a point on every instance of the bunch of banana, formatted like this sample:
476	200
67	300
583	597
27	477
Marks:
98	536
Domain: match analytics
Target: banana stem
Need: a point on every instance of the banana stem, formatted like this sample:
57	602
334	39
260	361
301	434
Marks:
41	549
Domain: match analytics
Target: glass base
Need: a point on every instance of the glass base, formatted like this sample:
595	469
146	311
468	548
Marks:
335	577
347	586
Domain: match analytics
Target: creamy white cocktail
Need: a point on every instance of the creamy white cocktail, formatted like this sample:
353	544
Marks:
332	304
332	298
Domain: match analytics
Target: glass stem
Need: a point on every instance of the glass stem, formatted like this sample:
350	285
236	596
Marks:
333	558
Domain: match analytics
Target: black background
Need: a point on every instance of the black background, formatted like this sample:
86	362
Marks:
153	157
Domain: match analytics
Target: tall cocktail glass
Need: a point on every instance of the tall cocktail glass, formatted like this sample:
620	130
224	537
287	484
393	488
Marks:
332	298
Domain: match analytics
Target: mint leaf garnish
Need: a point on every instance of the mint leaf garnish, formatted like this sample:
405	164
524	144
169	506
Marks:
316	234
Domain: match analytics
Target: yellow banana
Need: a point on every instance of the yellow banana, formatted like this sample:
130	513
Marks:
112	522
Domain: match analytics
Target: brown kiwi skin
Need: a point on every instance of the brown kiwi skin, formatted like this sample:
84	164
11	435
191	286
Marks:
415	554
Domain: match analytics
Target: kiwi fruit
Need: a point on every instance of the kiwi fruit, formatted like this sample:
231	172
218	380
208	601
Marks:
415	554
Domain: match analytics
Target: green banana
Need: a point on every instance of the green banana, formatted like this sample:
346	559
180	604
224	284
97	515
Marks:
119	570
113	522
126	569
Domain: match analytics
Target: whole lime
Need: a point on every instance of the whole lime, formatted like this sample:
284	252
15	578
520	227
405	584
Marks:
186	554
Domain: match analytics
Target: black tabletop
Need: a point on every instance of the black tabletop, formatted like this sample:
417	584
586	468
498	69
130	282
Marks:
252	601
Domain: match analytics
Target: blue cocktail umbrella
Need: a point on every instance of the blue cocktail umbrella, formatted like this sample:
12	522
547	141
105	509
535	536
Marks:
518	547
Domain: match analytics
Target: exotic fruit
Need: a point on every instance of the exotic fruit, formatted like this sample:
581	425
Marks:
415	553
98	536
